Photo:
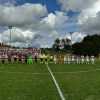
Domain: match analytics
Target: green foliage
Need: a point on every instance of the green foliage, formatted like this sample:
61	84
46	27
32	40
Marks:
89	46
61	45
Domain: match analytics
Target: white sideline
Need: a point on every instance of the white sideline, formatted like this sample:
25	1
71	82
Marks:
56	83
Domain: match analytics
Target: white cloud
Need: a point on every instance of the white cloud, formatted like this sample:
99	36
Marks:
17	35
76	5
27	37
77	37
33	25
89	12
50	19
21	15
28	20
92	25
89	19
56	20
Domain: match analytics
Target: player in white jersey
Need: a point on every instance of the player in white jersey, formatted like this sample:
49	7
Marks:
92	59
82	59
55	59
12	59
78	60
65	59
73	59
87	59
69	59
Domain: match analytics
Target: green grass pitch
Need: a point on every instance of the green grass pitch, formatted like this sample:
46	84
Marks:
33	82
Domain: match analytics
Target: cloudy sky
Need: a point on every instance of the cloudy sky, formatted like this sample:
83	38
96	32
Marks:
39	22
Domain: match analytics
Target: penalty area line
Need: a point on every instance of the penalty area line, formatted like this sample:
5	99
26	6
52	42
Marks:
56	83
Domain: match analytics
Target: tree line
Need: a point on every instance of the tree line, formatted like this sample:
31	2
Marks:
90	45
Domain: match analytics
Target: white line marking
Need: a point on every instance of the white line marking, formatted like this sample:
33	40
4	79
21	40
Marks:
24	73
45	73
75	72
56	83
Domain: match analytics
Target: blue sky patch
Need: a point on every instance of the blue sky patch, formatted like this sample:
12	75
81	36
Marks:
52	5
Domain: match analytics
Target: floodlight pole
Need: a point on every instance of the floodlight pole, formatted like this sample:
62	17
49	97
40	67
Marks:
71	33
10	28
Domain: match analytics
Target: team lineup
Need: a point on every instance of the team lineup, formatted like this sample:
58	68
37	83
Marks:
42	58
74	59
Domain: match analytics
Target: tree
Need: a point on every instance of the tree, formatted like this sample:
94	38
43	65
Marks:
89	46
56	45
62	45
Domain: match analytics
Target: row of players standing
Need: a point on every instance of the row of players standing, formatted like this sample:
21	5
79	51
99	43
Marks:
18	57
23	58
65	59
74	59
